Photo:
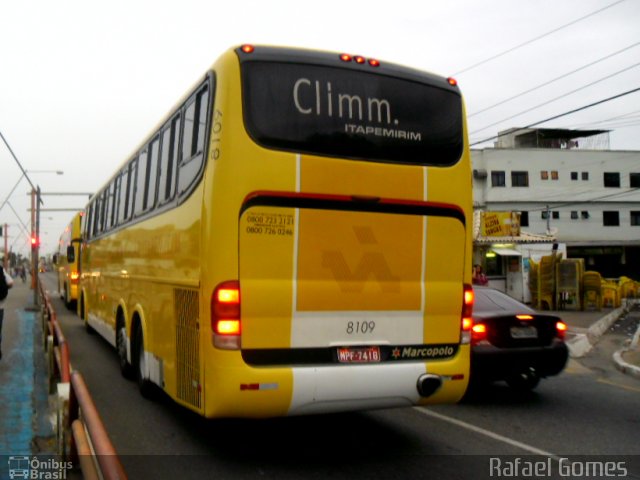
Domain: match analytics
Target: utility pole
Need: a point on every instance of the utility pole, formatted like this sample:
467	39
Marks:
548	220
5	234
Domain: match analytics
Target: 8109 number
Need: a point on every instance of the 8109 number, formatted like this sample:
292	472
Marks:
360	327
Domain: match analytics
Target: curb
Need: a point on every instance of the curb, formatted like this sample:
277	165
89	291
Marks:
625	367
619	361
583	343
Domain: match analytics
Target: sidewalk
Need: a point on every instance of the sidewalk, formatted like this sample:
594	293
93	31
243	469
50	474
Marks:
586	327
24	407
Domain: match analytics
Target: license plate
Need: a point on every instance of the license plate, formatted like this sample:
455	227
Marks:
524	332
359	354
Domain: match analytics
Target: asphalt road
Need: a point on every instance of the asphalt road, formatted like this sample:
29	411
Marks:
590	413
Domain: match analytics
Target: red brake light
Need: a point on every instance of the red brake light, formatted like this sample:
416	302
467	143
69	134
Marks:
561	329
467	311
478	332
467	324
345	57
247	48
225	315
524	317
467	306
228	327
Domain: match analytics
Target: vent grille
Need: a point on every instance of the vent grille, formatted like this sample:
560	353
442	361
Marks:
188	346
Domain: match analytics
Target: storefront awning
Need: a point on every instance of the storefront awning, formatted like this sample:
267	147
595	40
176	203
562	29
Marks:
506	252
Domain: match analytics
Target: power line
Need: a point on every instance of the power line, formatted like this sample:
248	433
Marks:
24	172
498	55
553	80
599	102
564	95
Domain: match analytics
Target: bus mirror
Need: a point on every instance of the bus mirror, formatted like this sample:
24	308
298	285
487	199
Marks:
71	254
55	258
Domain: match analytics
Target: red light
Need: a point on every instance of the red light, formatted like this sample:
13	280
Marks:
466	324
478	332
228	327
34	241
452	81
561	329
345	57
524	317
467	306
247	48
360	59
373	62
228	295
225	315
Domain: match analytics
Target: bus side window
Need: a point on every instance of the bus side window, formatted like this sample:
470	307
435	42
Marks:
116	201
87	223
141	183
168	159
97	206
193	139
123	210
152	182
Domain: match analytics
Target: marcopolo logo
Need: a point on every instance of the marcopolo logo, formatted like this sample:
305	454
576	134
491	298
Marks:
422	352
38	468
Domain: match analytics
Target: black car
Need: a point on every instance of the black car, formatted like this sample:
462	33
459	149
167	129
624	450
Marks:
512	342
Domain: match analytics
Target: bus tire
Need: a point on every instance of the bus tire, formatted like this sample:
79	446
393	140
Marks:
121	346
84	316
144	384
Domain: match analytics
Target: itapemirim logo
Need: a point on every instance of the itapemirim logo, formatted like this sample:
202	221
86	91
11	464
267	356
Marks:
22	466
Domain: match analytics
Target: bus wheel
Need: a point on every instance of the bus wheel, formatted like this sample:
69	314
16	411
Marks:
84	316
144	384
121	347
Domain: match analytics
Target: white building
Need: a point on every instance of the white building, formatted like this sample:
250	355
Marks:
567	183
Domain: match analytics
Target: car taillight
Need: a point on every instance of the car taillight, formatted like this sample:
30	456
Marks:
74	277
467	311
561	329
478	332
225	315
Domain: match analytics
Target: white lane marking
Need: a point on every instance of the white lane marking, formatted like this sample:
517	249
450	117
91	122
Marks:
486	433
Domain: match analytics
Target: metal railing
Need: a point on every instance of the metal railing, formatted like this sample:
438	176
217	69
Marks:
82	437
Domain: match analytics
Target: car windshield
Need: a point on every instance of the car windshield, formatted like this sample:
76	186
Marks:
488	300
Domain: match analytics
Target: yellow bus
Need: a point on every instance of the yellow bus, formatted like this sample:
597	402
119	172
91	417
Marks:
66	261
294	237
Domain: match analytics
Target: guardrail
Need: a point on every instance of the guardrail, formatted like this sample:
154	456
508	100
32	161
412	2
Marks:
82	437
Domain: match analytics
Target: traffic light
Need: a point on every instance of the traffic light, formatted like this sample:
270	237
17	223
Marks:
35	241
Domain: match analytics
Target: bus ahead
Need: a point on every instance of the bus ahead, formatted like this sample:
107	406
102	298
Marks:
293	238
66	260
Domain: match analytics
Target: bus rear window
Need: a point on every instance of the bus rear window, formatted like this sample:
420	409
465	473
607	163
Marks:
348	113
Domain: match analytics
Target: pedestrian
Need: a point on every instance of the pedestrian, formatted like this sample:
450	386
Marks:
479	278
6	282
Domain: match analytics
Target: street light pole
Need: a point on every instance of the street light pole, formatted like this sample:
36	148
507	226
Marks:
5	234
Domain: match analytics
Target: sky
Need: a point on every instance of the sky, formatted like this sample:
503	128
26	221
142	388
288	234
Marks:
83	82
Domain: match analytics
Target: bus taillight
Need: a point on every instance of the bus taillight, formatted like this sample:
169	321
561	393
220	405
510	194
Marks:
225	315
467	312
